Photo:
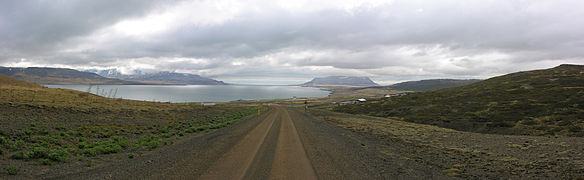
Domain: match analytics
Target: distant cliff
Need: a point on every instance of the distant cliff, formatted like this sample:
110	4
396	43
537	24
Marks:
340	81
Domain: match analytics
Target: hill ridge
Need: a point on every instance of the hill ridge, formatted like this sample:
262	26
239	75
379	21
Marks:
538	102
431	84
341	81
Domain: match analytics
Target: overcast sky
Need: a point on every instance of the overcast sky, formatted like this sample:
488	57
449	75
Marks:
289	42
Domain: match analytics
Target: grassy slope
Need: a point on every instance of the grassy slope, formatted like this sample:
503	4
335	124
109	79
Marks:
6	82
47	126
541	102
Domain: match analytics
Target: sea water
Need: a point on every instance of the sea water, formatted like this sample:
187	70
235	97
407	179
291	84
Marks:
197	93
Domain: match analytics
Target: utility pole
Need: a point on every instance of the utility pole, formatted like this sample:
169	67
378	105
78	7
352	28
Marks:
259	112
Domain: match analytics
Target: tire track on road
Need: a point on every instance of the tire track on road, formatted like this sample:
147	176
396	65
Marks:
235	163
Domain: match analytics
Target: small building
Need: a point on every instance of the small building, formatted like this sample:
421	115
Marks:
208	103
393	95
346	103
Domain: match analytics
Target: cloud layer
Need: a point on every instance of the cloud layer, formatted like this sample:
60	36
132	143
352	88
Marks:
284	42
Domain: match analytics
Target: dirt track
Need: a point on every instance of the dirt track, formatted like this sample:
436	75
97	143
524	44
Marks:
289	159
281	144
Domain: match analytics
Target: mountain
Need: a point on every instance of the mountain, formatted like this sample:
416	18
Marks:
540	102
41	75
174	78
340	81
109	73
163	77
431	84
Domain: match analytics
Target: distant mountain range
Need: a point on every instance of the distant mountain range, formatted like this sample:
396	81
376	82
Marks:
174	78
63	76
41	75
163	77
431	84
540	102
340	81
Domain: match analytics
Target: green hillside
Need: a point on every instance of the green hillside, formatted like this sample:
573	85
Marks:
540	102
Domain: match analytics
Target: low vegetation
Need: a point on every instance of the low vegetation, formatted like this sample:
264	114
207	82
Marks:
541	102
11	170
44	126
466	155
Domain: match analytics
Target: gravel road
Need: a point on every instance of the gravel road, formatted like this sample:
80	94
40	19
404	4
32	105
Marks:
282	144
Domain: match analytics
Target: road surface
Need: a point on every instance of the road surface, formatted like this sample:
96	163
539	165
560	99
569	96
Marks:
281	144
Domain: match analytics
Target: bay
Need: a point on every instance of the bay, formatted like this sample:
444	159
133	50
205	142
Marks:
197	93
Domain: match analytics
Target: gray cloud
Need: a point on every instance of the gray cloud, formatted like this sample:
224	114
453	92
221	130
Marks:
390	41
41	27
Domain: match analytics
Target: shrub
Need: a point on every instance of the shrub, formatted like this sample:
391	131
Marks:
575	128
116	140
61	128
47	162
89	162
113	145
112	148
3	141
195	129
164	130
37	153
92	151
153	144
59	155
131	156
82	145
12	170
17	155
23	134
166	135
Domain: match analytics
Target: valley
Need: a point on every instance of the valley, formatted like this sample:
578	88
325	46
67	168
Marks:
324	89
67	134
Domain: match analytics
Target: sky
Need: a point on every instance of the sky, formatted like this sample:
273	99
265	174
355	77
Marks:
290	42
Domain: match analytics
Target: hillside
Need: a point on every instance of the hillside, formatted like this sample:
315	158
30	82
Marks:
431	84
540	102
6	81
340	81
40	75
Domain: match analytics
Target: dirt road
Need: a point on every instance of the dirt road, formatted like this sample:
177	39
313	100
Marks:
281	144
289	159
